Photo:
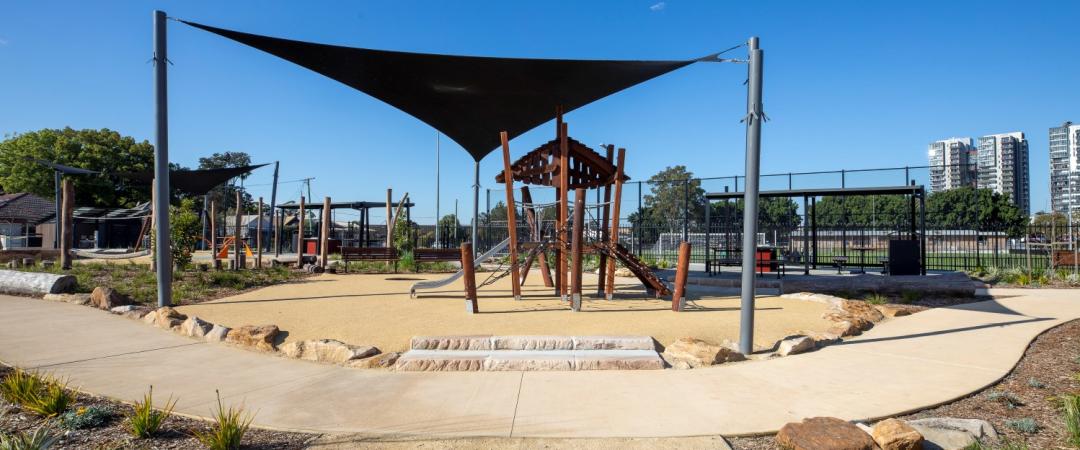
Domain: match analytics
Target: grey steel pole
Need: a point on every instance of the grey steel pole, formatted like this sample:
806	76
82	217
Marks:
476	204
273	205
202	217
754	116
437	190
163	257
56	202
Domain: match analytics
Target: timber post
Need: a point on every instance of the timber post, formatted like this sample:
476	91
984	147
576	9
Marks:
576	248
471	305
564	198
511	217
213	235
601	278
614	239
258	235
67	229
300	235
237	243
678	299
324	234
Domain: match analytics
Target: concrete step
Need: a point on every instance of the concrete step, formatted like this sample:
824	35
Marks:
532	342
527	360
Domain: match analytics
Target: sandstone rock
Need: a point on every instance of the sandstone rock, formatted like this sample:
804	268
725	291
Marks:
795	345
845	329
327	350
131	311
108	298
623	272
380	361
894	434
897	310
823	433
78	299
451	343
195	327
817	298
260	337
165	318
862	310
450	363
950	433
533	342
695	353
217	333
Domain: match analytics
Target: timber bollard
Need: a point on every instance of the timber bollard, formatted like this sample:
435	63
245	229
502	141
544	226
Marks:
471	306
678	299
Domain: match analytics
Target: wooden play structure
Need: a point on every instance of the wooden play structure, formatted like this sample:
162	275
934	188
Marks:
568	165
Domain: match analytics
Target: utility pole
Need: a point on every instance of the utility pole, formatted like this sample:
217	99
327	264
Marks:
162	257
273	205
754	116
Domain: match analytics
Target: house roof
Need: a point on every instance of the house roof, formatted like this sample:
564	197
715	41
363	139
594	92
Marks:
25	208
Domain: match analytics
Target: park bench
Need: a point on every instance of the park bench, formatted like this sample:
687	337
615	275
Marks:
387	254
839	262
424	255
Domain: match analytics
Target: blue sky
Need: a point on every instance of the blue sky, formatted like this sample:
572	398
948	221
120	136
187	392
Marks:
847	84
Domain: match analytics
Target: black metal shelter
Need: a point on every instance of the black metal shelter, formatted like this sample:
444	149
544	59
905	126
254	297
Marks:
363	207
917	211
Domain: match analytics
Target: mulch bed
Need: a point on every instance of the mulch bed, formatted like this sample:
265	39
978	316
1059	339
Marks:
177	432
1048	369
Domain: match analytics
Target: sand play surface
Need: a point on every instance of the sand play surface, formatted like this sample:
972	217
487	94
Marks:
376	310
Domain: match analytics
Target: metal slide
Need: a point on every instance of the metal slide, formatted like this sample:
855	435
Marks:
433	284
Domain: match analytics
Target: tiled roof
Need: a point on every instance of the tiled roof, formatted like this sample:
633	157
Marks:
25	208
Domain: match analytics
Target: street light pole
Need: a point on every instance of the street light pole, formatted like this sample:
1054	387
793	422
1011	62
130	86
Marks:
754	117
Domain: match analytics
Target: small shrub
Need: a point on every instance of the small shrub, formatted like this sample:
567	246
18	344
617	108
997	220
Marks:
145	421
1036	383
1025	425
44	395
876	299
41	439
228	428
1006	398
83	418
1070	413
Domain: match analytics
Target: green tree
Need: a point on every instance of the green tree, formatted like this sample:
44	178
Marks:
186	230
403	234
966	208
1057	219
102	150
673	191
448	226
225	195
877	210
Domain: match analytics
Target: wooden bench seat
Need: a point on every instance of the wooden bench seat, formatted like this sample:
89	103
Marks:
369	254
423	255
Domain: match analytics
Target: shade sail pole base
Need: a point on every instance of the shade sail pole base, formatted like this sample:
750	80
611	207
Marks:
754	116
162	254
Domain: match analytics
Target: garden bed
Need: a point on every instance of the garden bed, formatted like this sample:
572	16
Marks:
1026	396
98	423
191	286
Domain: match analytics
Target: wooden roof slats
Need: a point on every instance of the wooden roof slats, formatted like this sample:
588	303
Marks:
588	169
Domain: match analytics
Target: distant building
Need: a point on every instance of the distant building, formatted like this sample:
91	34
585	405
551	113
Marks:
1065	168
20	216
952	164
1003	167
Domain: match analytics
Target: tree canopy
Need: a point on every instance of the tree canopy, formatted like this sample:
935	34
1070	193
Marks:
101	150
225	195
671	192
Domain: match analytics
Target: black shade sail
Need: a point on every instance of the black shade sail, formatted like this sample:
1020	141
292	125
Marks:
194	182
468	98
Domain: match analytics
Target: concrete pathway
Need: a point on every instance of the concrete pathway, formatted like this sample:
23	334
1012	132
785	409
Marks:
901	365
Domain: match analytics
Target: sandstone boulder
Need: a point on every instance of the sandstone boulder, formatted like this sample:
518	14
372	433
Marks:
898	310
131	311
953	434
823	433
108	298
862	310
78	299
380	361
217	334
256	336
690	352
795	345
195	327
165	318
327	350
895	434
623	272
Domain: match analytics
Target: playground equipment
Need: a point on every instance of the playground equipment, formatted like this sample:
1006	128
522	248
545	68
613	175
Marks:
566	165
227	242
435	284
